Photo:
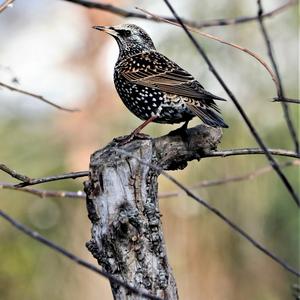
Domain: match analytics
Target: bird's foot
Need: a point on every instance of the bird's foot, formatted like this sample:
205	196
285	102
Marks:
128	138
136	134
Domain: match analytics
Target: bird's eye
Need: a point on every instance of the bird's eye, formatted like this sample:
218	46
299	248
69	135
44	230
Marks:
125	33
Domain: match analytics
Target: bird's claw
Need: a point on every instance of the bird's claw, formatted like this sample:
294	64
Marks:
128	138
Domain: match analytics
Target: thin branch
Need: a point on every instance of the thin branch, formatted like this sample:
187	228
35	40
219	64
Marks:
34	181
205	183
280	90
6	4
247	176
36	236
37	97
27	181
287	100
241	20
14	174
252	129
215	211
219	22
43	193
249	151
215	38
225	180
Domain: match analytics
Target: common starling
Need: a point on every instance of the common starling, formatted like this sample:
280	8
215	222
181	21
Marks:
155	88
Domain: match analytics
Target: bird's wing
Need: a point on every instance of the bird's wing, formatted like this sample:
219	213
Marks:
153	69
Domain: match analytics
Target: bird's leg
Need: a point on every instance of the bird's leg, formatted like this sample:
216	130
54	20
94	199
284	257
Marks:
136	132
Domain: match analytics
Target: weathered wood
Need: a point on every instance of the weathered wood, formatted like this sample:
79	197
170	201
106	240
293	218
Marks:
127	238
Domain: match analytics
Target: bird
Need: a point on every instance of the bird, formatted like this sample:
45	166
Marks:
153	87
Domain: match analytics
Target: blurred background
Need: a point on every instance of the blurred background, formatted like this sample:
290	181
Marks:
49	48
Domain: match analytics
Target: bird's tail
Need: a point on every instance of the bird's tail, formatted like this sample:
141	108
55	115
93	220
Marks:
208	115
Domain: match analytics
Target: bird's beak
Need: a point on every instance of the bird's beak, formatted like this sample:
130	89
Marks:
110	30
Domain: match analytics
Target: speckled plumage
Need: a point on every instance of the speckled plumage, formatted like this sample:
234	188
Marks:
151	85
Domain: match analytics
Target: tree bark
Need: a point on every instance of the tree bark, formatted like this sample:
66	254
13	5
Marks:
127	237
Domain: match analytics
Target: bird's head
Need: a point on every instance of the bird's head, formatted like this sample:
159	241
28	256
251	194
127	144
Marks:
130	38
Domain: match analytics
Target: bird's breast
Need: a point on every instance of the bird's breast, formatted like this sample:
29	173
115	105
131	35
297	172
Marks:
145	102
142	101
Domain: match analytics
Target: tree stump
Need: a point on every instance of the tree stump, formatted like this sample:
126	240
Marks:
127	238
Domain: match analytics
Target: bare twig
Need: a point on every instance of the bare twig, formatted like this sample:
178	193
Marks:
252	129
26	181
225	180
43	193
280	90
37	97
210	36
4	5
287	100
14	174
241	20
249	151
34	181
215	211
36	236
219	22
247	176
205	183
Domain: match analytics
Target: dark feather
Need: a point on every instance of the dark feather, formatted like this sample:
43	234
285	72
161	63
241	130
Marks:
155	70
208	116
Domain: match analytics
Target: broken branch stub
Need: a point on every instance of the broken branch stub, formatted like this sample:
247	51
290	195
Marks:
127	237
